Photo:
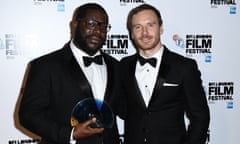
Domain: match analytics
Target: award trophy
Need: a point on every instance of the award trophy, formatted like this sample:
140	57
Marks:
89	108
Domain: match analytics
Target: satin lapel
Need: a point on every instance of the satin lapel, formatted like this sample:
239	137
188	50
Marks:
132	78
163	71
77	73
110	78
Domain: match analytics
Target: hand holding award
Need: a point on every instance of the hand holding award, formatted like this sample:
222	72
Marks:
90	108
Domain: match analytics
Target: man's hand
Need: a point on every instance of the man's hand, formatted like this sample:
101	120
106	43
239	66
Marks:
83	130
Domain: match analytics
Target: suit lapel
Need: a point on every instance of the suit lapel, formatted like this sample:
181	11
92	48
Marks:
110	77
132	78
163	71
76	72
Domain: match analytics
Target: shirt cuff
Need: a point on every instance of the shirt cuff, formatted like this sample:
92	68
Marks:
72	141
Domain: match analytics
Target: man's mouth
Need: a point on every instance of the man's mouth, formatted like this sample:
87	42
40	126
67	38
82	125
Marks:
94	40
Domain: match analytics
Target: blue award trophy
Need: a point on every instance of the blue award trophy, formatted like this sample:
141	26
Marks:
89	108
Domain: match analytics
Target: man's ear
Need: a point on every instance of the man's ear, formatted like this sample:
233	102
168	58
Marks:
161	30
73	25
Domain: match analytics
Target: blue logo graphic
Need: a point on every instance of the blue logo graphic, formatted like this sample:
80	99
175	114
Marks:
180	43
233	10
61	7
208	58
229	105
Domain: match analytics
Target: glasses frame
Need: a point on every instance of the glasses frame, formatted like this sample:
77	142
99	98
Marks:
93	24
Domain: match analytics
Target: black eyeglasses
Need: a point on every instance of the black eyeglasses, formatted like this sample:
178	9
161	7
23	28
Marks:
92	24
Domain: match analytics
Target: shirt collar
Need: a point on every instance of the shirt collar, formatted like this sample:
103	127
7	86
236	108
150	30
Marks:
157	55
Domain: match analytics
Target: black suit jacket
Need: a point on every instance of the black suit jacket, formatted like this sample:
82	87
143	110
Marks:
55	84
178	90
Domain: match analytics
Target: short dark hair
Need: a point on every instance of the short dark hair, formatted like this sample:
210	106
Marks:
139	9
82	10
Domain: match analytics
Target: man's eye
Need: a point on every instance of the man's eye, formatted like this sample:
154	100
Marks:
151	24
91	23
136	27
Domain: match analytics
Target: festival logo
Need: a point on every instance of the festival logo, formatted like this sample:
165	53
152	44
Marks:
221	92
215	3
125	2
195	44
8	46
116	44
24	141
223	3
60	6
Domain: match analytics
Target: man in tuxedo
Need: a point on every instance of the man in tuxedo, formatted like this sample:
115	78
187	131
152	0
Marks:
58	81
160	88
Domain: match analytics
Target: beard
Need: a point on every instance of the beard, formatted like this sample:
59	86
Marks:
148	44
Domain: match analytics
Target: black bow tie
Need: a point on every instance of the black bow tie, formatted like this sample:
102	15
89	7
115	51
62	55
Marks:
151	61
88	60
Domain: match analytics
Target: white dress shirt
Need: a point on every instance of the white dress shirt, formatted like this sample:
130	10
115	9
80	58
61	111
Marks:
146	76
96	76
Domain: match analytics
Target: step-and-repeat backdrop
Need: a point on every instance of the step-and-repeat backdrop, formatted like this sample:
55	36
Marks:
205	30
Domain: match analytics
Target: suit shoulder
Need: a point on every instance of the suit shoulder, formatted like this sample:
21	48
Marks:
179	58
128	58
48	58
181	64
110	58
